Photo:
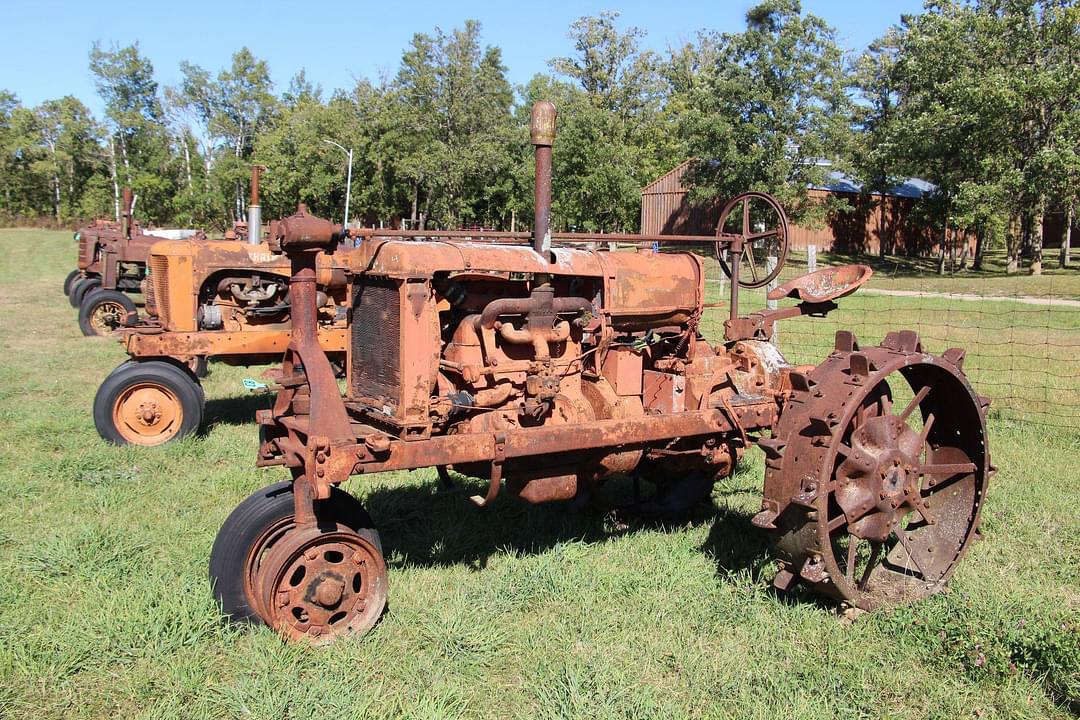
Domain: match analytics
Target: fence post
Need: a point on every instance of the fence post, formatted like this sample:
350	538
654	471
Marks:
723	254
770	265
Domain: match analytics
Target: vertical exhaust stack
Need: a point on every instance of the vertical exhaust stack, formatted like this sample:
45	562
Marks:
542	129
125	213
254	231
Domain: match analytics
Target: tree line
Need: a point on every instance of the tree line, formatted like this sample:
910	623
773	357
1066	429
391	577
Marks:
980	97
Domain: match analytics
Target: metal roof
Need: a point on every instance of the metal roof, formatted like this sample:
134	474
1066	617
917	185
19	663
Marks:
911	188
837	181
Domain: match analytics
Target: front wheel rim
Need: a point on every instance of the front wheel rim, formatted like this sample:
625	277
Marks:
107	317
148	414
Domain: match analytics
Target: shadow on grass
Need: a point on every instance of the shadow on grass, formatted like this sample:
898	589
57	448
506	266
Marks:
235	410
735	545
423	526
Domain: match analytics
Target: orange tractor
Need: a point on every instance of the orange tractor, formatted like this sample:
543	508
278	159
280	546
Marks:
225	300
112	265
546	369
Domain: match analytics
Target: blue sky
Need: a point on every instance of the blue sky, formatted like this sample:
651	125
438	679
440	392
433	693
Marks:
46	43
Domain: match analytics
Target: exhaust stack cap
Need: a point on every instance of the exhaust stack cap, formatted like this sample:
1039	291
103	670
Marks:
542	123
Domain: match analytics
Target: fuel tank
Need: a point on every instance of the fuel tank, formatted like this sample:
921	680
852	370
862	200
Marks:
641	289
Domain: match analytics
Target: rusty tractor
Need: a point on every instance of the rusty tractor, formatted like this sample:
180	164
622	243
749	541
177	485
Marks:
546	368
225	300
112	263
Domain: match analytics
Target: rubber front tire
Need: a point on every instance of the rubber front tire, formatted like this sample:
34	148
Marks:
103	301
263	517
148	403
75	285
69	280
80	288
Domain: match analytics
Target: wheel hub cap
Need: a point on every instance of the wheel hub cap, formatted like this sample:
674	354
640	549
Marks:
147	414
107	317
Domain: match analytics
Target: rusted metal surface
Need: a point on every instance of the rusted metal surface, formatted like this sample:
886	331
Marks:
148	414
224	300
875	498
548	373
325	585
824	285
542	129
301	231
816	290
763	235
116	252
246	346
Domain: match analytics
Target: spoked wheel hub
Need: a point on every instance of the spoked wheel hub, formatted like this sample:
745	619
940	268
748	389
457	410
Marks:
318	586
875	503
879	481
107	317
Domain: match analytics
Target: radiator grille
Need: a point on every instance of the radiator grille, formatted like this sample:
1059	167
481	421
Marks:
376	341
159	284
86	250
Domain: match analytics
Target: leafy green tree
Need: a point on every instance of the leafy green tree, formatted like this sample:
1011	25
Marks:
450	127
138	147
301	90
615	73
17	182
987	110
872	154
770	103
68	136
613	136
301	166
194	204
234	107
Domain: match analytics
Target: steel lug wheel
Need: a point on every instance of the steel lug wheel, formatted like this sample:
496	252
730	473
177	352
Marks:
878	469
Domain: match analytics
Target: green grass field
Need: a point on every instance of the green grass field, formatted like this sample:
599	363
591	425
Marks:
510	612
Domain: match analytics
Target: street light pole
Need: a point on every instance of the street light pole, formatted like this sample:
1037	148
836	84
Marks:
348	182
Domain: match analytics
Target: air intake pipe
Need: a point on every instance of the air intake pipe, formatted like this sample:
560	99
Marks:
254	225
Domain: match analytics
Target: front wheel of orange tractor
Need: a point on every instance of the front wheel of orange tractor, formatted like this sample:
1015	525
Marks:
148	403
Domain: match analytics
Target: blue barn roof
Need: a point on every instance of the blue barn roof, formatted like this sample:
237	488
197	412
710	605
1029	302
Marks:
911	188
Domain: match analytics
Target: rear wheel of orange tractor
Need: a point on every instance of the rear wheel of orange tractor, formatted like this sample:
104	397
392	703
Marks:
314	583
148	403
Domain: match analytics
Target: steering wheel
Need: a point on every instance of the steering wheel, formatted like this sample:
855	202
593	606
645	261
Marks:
764	233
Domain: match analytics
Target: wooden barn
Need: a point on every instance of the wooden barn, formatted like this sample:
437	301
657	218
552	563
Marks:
666	209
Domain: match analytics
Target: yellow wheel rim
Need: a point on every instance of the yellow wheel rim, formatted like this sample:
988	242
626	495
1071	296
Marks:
107	317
